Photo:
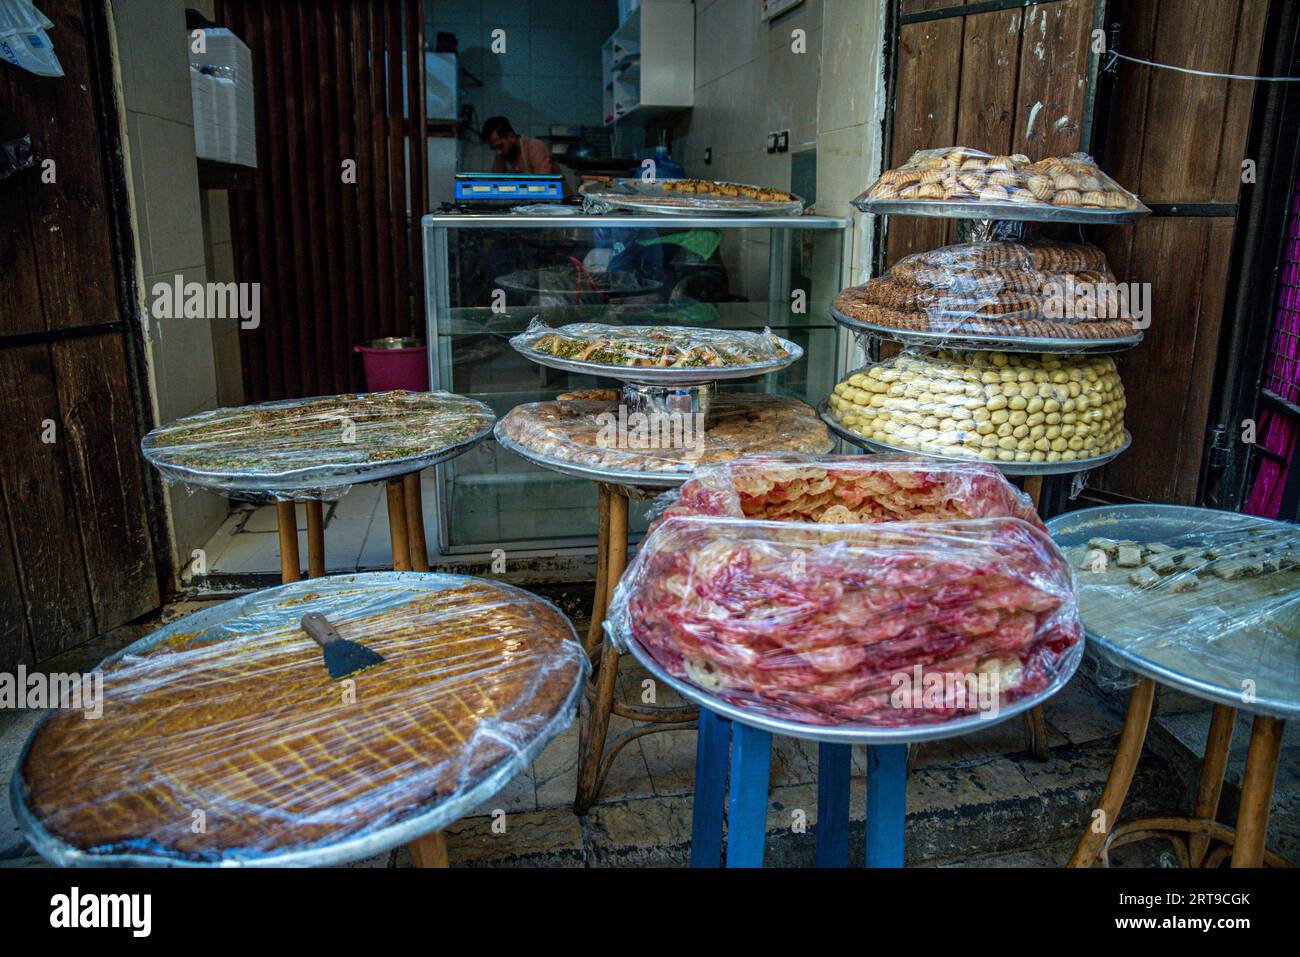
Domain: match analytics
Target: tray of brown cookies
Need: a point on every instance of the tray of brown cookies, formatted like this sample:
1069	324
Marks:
1038	296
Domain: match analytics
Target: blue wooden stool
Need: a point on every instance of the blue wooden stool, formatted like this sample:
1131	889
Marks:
750	752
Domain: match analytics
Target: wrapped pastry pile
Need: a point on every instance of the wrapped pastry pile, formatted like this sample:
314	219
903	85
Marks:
961	174
1001	407
832	624
594	435
313	445
1042	289
684	347
849	489
238	718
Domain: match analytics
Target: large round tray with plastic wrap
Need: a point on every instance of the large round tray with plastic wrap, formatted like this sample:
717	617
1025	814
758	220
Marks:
1035	296
1202	600
599	440
963	183
317	447
819	620
656	355
229	717
1028	414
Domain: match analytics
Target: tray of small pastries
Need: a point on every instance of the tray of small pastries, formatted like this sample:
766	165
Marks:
963	183
1027	414
1198	599
222	739
319	446
595	439
691	197
1038	296
656	355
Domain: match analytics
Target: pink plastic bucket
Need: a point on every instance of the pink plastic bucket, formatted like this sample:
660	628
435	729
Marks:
395	363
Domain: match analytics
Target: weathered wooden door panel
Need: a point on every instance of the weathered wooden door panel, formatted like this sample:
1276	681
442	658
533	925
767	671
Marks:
77	558
1017	80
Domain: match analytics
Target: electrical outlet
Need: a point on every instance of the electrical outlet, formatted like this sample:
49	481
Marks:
783	141
771	142
708	155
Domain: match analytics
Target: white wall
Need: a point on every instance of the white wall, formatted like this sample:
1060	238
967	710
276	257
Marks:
550	72
167	210
749	81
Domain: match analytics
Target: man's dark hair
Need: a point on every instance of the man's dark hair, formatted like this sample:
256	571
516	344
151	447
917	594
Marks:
498	125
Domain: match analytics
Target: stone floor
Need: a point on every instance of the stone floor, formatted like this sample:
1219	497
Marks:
979	800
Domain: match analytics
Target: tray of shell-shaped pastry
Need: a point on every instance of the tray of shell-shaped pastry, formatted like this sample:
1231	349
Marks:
1204	600
963	183
668	355
1027	414
1037	296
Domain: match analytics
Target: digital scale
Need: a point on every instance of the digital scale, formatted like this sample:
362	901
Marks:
509	188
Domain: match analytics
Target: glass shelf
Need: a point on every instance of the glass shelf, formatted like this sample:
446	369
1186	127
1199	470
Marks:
484	275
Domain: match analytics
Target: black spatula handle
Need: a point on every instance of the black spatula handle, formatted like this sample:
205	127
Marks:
319	627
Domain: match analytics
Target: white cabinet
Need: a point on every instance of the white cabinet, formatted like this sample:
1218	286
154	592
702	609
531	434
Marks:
649	62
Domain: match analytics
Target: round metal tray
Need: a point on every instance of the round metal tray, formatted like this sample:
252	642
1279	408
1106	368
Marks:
409	828
633	194
984	342
1007	468
659	375
311	481
1016	212
593	472
849	733
1213	670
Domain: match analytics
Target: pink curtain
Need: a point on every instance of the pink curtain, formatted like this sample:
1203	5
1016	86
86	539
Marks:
1277	431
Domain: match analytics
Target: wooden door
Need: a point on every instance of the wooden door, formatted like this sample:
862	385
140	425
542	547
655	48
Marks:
76	546
337	256
1022	78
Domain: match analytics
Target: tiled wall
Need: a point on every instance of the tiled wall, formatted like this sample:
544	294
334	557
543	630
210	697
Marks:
749	81
168	211
550	72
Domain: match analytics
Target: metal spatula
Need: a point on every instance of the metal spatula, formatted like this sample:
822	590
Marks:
342	657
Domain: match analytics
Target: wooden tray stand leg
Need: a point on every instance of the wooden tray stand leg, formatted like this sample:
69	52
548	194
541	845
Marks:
286	522
594	725
414	497
600	603
1257	791
397	525
315	538
1122	770
430	850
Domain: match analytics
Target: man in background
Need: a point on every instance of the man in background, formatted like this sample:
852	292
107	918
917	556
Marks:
515	153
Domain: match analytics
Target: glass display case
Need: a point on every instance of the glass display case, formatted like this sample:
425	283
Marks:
490	274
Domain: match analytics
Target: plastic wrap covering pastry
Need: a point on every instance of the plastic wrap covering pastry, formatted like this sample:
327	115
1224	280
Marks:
1001	407
1219	594
960	174
893	624
848	489
1042	290
687	195
602	435
666	347
229	719
315	447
